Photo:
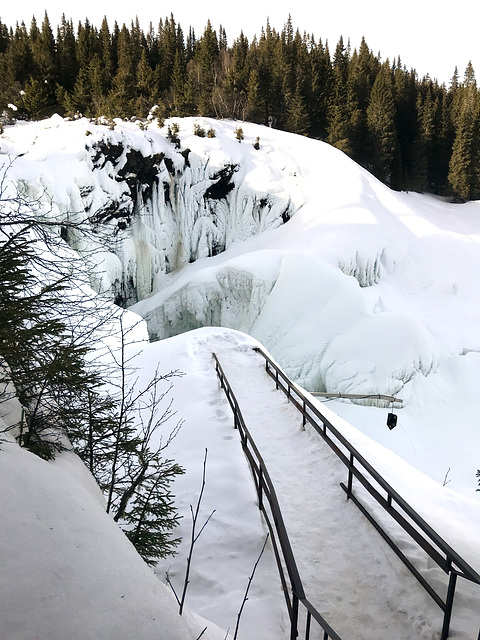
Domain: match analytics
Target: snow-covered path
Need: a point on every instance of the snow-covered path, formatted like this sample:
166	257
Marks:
349	573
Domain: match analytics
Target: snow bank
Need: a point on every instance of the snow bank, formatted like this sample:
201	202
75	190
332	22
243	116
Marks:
67	569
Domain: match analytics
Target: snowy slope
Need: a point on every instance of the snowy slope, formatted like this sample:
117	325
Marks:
67	569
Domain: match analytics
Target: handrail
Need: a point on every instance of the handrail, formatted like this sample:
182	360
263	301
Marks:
426	541
277	529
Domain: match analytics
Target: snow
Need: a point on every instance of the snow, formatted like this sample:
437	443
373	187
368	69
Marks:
349	573
363	290
67	569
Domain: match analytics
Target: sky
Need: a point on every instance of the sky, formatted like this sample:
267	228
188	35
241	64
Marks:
426	40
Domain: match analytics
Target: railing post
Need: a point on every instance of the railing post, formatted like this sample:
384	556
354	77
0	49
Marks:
260	489
449	604
350	477
307	627
294	617
304	418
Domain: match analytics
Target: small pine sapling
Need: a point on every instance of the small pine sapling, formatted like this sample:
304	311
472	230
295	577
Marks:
198	130
172	134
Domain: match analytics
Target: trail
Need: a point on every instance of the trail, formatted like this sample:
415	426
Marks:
349	573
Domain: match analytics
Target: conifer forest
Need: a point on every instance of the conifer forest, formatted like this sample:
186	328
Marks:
412	133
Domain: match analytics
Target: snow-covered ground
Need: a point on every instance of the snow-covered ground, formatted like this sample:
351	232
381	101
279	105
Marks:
363	290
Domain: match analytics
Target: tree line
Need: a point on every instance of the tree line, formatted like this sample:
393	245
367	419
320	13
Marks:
411	133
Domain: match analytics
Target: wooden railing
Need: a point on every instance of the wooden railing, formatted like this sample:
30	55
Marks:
267	501
392	503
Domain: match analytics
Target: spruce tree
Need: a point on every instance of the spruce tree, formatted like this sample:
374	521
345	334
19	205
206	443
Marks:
463	175
206	58
381	125
66	55
340	108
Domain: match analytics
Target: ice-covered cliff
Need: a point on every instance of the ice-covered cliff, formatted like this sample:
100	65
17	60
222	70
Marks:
154	201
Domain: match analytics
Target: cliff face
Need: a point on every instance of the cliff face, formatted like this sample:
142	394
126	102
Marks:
152	204
175	210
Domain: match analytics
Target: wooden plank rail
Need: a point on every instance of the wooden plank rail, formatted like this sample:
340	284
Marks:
268	503
392	503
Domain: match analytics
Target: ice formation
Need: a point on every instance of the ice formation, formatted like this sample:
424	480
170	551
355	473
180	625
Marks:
152	206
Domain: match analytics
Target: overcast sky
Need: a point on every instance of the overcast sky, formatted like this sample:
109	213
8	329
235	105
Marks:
431	37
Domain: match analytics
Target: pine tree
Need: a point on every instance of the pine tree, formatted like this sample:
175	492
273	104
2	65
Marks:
321	89
145	89
105	41
297	119
37	99
363	70
66	55
46	329
121	98
340	132
381	125
237	77
180	103
269	73
206	63
151	515
463	175
46	361
19	55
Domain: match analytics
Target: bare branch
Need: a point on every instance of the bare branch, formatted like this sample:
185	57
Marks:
245	597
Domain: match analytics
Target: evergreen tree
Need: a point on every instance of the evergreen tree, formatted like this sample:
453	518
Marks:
44	53
146	94
381	125
37	99
66	55
236	80
297	119
121	98
85	44
269	73
321	89
105	41
46	329
362	73
463	175
206	53
182	99
340	109
19	55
